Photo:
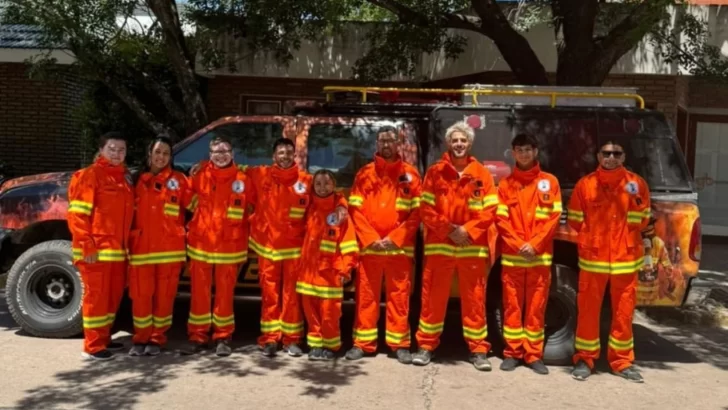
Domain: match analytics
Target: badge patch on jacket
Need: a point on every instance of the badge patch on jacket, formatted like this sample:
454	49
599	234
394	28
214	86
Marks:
302	201
479	183
632	188
237	202
157	186
405	191
299	187
173	184
406	178
174	199
546	197
332	219
238	186
476	193
544	185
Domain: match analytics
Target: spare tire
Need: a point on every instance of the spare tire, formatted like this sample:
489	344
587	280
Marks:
44	291
561	317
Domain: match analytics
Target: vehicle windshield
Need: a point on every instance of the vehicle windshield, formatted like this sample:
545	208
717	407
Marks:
569	140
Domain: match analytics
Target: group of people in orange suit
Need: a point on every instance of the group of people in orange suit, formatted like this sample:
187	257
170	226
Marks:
309	238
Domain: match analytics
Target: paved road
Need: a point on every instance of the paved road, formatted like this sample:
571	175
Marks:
685	368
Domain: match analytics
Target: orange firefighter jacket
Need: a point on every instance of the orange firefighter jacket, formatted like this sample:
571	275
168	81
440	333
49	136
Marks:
451	199
218	231
385	201
609	209
100	211
329	251
529	210
158	232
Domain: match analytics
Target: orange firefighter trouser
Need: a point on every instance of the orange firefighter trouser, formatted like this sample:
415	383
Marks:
153	289
104	284
222	318
436	283
281	309
322	316
397	271
525	293
623	291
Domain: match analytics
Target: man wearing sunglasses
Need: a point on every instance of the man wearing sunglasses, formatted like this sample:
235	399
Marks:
608	208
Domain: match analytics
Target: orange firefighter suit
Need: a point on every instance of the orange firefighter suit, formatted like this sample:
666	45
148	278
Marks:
217	244
449	199
384	202
328	256
100	213
157	252
529	210
608	209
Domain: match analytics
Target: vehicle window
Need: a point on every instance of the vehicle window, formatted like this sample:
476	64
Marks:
252	144
24	203
343	148
570	139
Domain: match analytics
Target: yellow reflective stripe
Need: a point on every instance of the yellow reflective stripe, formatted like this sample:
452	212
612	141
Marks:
171	209
475	334
348	247
490	200
613	268
315	341
407	250
557	208
542	213
356	200
521	262
193	204
270	326
475	204
216	257
617	344
576	216
291	328
402	204
534	336
142	322
502	211
416	202
95	322
80	207
458	252
365	335
220	321
273	254
327	246
324	292
513	333
162	321
77	254
157	257
112	255
586	344
296	213
203	319
431	328
396	338
235	213
428	198
332	343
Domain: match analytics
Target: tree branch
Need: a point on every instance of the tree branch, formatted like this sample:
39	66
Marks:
447	20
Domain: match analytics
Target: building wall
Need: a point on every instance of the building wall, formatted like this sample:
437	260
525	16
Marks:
37	128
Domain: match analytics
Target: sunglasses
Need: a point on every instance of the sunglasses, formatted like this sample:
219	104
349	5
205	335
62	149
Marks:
615	154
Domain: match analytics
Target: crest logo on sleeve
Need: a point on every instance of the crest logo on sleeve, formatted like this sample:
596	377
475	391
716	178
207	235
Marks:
332	219
238	186
300	188
173	184
632	188
544	185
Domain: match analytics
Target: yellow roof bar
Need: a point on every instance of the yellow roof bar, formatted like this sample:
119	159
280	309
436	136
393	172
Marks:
554	95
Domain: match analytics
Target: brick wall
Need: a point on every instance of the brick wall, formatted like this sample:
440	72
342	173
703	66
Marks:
707	94
37	130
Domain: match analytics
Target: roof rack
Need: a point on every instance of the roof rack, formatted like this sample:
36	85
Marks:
478	95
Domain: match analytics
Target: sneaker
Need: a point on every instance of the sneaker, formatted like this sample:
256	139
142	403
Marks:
404	356
422	357
316	353
480	361
223	348
581	371
114	346
631	374
354	353
328	354
193	348
509	364
293	350
538	367
270	349
99	356
137	350
152	349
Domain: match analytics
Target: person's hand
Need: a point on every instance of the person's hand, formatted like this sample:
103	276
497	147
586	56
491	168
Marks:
527	251
387	244
460	236
195	169
91	258
342	214
377	245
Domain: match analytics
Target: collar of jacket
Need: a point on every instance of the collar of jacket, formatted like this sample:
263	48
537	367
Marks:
287	176
226	172
383	166
163	175
324	203
611	177
104	163
527	176
448	160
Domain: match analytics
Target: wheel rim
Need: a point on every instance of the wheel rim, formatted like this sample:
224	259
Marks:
50	292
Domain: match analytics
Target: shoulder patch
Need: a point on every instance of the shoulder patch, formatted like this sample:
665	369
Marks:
300	187
632	188
238	186
544	185
173	184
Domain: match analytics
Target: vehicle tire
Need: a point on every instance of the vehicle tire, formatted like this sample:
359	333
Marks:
44	291
561	317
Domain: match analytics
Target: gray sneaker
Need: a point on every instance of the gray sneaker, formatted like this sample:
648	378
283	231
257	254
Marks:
223	348
315	353
631	374
480	361
404	356
581	371
539	367
152	349
509	364
293	350
270	349
422	357
328	354
354	353
137	350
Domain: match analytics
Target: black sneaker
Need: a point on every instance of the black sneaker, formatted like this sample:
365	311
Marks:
98	356
404	356
114	346
223	348
581	371
538	367
422	357
270	349
152	349
328	354
354	353
137	350
193	348
509	364
480	361
293	350
315	354
631	374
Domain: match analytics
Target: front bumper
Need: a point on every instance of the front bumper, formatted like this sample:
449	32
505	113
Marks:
698	290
